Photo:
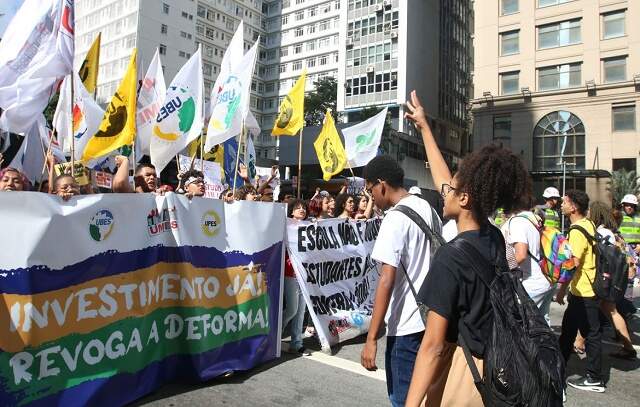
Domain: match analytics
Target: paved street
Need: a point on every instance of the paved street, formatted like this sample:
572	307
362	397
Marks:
338	380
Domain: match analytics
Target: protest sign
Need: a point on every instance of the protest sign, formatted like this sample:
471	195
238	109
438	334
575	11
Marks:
355	185
80	173
141	290
212	175
338	278
103	179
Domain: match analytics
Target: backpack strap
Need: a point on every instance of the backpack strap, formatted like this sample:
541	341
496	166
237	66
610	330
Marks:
537	228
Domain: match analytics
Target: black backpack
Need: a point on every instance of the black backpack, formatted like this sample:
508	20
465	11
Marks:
523	365
612	268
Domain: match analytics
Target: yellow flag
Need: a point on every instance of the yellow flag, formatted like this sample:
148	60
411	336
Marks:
89	69
118	127
329	148
291	113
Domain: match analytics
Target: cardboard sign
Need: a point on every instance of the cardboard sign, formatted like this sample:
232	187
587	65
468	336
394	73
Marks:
103	179
81	174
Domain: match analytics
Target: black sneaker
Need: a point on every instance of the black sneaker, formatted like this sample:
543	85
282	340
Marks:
587	383
303	352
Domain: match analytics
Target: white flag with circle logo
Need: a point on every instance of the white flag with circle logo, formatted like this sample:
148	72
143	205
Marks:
150	98
232	104
361	141
232	56
180	118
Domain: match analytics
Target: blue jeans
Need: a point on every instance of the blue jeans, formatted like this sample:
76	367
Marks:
294	311
399	358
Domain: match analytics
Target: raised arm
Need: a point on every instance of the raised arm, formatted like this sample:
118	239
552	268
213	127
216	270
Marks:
51	162
121	177
439	169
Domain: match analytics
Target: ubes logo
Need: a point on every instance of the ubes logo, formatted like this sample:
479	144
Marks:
101	225
161	221
176	116
211	223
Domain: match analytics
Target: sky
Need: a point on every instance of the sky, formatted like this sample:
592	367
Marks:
8	8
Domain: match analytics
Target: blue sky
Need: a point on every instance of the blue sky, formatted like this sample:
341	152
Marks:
8	8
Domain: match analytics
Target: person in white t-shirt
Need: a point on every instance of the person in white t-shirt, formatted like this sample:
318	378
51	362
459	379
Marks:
523	237
401	246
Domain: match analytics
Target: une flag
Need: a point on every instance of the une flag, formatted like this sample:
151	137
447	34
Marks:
232	56
361	141
36	52
329	149
89	68
118	127
180	118
150	98
291	112
80	121
232	104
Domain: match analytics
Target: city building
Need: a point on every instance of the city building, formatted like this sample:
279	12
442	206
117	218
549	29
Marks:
557	74
389	48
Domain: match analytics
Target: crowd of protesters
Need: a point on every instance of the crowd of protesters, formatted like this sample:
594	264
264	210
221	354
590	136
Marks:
421	364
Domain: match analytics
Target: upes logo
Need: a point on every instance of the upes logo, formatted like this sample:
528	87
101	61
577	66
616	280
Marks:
211	223
101	225
161	221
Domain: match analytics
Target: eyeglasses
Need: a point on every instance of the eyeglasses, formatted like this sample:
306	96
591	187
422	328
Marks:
372	186
445	189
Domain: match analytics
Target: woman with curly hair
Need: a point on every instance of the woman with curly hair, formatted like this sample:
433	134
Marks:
365	206
246	193
457	299
345	206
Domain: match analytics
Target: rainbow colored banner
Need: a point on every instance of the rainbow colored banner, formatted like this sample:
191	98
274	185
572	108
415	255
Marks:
104	298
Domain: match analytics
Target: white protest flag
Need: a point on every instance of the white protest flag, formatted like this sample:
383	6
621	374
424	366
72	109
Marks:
181	116
232	104
48	139
250	157
81	123
251	124
361	141
30	157
36	52
232	56
150	98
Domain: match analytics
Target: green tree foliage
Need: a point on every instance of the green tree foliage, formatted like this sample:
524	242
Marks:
316	103
51	109
623	182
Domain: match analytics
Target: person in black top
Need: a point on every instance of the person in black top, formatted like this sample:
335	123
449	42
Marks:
458	301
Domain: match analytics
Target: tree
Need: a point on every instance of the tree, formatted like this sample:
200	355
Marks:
316	103
623	182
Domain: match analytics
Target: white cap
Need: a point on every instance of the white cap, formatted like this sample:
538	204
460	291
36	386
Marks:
415	191
630	199
551	192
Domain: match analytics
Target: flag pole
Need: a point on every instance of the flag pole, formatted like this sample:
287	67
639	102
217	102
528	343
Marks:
45	159
299	162
201	152
73	141
235	173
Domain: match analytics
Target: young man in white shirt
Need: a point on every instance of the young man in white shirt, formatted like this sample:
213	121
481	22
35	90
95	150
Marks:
401	245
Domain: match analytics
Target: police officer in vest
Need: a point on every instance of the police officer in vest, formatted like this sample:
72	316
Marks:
550	210
630	227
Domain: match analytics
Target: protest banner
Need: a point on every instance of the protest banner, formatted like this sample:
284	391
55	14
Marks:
338	278
103	179
213	186
104	298
80	173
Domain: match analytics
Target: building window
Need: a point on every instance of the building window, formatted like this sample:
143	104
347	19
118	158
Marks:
299	32
162	49
502	128
628	164
163	29
284	51
510	42
560	76
559	34
297	49
299	15
545	3
510	82
165	8
311	62
509	7
615	69
283	68
623	118
548	139
613	24
323	60
297	65
311	29
285	19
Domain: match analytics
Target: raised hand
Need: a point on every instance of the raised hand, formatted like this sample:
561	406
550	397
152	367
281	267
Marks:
416	113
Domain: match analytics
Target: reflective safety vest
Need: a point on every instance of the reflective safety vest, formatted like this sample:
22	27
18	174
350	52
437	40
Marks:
630	228
551	218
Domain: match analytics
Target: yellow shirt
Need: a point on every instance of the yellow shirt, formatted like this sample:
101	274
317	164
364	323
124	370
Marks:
583	250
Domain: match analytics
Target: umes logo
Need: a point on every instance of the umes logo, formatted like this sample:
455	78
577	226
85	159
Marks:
211	223
101	225
161	221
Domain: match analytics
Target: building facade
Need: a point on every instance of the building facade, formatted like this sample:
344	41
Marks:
558	82
389	48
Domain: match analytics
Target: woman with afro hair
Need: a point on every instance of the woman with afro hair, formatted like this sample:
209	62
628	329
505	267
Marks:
457	299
